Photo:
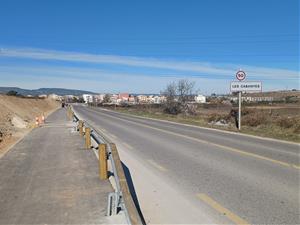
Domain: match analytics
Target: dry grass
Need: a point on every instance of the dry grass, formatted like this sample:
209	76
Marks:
278	123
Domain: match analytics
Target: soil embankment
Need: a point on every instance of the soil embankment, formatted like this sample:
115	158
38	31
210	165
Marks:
17	117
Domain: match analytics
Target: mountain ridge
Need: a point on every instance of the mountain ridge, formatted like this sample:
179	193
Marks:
44	91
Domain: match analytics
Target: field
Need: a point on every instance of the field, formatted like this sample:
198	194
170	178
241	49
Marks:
279	121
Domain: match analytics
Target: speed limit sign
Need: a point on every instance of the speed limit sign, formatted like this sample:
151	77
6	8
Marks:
240	75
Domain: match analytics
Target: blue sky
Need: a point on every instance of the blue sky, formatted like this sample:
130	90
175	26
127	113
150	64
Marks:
140	46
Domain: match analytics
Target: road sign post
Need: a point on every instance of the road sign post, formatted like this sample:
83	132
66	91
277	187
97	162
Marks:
240	75
240	110
243	86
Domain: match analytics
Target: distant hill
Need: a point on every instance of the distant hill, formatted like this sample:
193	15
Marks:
44	91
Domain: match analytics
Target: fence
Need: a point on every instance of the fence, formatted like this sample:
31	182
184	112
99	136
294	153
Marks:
121	199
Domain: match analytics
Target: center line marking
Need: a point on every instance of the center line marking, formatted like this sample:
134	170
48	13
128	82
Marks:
215	205
211	143
161	168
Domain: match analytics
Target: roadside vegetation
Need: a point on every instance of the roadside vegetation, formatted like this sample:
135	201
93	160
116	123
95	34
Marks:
256	121
275	120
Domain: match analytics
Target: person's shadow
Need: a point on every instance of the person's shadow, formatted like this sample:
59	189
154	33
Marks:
132	191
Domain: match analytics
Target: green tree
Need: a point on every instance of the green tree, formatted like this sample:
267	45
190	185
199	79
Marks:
12	93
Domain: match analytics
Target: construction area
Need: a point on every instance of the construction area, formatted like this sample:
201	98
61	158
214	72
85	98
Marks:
17	117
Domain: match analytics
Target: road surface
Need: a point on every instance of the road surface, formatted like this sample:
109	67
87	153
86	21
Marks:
185	174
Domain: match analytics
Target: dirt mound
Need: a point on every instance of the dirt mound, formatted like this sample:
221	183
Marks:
19	122
17	115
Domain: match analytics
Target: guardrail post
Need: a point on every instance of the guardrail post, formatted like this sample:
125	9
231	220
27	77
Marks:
88	138
69	113
102	162
80	127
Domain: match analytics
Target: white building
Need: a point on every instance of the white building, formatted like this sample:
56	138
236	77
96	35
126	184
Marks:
156	99
87	98
99	98
68	98
54	97
200	99
150	99
142	98
114	98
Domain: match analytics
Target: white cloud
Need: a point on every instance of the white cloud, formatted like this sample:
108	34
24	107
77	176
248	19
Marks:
97	80
209	77
106	81
197	67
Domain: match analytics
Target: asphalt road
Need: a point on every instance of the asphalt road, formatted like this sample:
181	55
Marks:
235	179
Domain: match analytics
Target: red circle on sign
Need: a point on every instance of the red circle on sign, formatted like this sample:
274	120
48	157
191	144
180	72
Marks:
240	75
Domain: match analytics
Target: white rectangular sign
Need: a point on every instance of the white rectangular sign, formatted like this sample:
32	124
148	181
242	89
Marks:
246	86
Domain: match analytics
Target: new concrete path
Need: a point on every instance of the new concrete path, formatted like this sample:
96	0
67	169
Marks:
50	178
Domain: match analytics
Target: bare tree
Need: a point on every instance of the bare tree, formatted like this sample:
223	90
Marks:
106	98
185	89
171	104
178	95
171	91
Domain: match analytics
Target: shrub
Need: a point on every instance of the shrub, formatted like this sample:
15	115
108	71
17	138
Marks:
297	127
285	122
12	93
254	119
247	111
214	117
173	108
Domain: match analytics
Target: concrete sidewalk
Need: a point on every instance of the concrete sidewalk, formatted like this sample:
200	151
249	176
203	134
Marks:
50	178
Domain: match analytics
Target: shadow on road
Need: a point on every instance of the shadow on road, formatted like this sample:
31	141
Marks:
132	191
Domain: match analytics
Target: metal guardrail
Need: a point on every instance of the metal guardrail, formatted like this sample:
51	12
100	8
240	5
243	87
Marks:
121	199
